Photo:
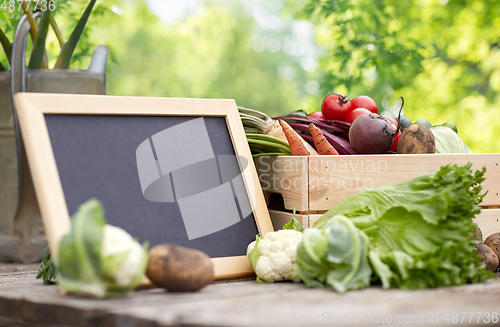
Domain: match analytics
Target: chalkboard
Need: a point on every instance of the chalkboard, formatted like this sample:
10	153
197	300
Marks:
166	170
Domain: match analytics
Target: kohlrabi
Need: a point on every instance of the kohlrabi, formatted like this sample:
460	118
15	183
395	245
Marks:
97	259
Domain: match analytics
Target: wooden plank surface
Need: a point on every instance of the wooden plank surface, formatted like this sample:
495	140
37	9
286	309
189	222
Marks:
25	301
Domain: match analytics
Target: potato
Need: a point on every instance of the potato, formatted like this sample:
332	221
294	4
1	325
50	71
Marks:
488	256
416	139
179	269
493	241
479	234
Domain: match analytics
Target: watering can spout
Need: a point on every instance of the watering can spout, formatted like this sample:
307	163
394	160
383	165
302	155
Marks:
99	60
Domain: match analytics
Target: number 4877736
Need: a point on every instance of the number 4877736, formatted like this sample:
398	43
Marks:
18	5
478	317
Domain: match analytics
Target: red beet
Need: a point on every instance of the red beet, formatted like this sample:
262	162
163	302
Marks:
371	133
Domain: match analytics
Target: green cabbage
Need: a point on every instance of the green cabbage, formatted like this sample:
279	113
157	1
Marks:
335	256
447	141
96	259
420	230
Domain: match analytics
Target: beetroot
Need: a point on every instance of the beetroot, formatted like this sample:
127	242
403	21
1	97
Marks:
371	133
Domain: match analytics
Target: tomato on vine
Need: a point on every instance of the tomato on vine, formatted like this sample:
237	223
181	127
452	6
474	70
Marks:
335	106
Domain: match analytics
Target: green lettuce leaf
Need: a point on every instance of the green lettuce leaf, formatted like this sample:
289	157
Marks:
47	270
294	224
420	231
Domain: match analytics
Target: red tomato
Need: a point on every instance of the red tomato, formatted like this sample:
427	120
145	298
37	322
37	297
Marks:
392	120
316	114
335	106
364	101
355	114
396	139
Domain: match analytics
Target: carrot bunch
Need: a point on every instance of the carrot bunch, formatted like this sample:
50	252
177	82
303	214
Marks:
297	144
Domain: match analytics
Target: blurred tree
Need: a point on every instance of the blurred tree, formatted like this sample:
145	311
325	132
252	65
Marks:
221	51
206	55
442	56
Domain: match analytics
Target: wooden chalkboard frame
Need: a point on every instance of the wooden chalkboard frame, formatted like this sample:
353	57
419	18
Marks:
32	107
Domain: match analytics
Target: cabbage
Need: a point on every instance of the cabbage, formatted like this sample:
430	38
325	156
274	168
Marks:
96	259
420	231
335	256
448	141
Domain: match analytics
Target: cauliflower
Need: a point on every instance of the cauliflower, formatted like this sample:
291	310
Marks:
273	256
116	241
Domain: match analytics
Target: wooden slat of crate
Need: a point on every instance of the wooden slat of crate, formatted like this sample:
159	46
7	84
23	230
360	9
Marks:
318	183
488	220
287	176
332	179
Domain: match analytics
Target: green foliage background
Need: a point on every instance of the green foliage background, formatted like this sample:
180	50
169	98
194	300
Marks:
442	56
206	55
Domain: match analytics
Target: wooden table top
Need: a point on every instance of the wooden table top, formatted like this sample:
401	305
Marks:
25	301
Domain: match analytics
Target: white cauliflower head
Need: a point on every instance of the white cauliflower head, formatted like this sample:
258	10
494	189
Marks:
275	256
116	241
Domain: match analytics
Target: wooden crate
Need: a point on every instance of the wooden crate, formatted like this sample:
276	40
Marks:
313	185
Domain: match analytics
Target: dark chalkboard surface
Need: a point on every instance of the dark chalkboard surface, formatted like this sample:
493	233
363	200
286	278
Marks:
166	170
96	157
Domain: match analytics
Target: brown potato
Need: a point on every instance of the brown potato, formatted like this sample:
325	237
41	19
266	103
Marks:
493	241
416	139
179	269
479	234
488	256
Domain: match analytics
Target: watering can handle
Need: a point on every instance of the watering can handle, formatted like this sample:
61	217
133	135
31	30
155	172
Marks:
18	67
18	83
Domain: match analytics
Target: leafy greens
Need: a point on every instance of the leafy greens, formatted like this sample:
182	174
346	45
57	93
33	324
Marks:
335	256
419	231
47	270
448	141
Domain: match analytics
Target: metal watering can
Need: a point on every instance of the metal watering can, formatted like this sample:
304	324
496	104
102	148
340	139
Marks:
21	232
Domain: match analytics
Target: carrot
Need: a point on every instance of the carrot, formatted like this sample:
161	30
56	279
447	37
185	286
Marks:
296	143
322	145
